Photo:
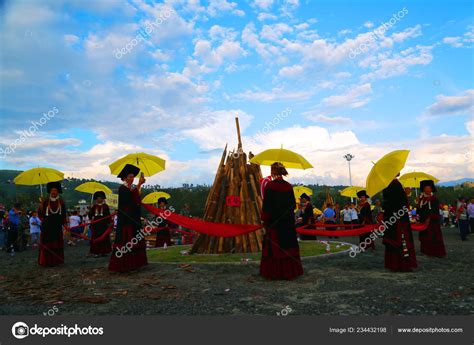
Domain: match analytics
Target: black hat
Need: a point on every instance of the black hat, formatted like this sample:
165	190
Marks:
305	196
362	193
56	185
425	183
99	194
162	199
128	169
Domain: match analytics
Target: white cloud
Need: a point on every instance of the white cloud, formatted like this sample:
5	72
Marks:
464	41
274	94
291	71
217	7
369	24
228	50
329	119
218	128
386	66
275	32
453	105
355	97
266	16
263	4
71	39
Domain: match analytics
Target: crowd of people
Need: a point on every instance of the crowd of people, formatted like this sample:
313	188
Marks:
45	228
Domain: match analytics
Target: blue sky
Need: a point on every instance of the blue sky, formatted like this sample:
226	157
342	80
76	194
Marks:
364	78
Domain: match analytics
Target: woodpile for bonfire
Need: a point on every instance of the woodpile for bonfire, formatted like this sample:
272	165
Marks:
329	200
234	198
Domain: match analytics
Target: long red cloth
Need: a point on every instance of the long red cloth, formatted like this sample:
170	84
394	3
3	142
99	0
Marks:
93	222
100	238
311	229
231	230
207	228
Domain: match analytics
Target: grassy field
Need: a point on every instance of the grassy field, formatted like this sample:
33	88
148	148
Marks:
174	254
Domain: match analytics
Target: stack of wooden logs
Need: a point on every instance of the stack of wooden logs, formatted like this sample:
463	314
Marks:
235	177
329	200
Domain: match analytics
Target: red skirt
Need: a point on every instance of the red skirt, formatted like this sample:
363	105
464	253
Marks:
51	253
278	263
395	261
127	256
431	241
101	247
162	237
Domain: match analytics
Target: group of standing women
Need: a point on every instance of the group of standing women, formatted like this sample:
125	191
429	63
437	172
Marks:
280	252
128	250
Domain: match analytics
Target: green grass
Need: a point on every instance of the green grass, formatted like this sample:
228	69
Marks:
173	254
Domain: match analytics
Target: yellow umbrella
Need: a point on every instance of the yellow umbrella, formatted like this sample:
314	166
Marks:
351	191
152	198
92	187
413	179
289	159
385	170
298	190
148	164
38	176
317	211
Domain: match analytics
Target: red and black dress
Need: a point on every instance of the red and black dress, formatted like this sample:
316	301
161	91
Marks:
280	253
129	248
431	239
163	235
365	218
53	216
100	244
398	238
308	218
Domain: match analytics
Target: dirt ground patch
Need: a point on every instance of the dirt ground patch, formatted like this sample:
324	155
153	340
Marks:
337	285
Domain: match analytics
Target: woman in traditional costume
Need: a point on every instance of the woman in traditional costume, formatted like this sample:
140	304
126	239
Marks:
52	213
163	236
99	216
280	253
365	217
129	248
307	216
431	239
398	238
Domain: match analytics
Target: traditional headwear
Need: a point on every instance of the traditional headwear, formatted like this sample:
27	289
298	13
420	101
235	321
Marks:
51	185
128	169
162	199
99	194
425	183
362	193
305	196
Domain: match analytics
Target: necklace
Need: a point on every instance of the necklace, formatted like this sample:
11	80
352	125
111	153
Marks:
97	210
50	209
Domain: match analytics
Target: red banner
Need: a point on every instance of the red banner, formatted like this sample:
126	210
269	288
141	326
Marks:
233	201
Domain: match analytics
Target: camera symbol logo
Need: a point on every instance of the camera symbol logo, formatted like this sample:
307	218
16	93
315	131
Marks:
20	330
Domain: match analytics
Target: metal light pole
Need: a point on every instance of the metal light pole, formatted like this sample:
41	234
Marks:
348	157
